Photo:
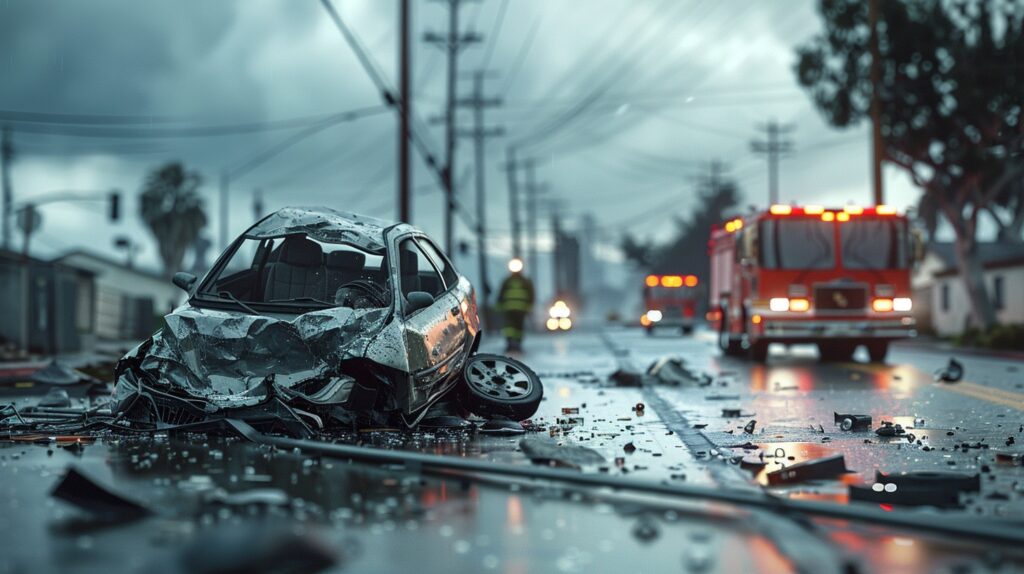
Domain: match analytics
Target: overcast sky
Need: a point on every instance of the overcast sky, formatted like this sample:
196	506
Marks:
623	101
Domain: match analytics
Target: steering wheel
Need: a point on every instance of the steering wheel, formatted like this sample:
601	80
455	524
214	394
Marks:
372	294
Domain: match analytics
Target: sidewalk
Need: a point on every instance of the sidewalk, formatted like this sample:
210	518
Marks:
104	352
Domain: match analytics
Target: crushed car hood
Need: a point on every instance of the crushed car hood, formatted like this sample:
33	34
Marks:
224	357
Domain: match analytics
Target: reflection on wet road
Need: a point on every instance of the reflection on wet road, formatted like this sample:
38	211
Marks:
365	518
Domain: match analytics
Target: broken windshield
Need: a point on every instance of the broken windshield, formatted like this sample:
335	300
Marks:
301	272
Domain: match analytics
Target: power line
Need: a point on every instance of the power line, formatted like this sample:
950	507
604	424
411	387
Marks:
495	34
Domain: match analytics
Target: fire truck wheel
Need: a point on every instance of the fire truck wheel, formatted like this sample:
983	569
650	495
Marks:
759	352
648	331
877	351
730	347
836	352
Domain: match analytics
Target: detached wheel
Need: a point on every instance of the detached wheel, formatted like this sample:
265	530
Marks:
500	386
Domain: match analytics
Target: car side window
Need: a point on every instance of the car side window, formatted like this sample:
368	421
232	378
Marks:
451	277
416	272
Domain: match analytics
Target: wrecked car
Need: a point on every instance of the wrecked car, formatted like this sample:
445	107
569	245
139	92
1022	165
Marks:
322	318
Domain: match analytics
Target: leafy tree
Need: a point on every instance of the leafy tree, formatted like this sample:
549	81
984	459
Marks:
688	251
173	211
950	103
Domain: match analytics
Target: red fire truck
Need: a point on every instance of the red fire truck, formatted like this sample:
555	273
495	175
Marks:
669	301
838	278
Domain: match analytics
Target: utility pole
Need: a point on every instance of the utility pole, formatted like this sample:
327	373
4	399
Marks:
6	155
532	190
877	144
773	147
479	133
452	43
257	205
404	111
223	210
513	200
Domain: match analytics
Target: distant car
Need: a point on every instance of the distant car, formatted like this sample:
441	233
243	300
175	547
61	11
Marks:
322	316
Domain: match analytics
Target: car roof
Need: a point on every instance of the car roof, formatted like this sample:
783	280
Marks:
327	225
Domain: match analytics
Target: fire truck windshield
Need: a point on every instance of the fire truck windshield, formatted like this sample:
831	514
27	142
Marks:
799	243
874	244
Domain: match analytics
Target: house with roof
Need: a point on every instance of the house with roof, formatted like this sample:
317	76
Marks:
128	301
941	302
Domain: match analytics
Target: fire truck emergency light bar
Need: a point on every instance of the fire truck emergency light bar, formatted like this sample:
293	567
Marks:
671	280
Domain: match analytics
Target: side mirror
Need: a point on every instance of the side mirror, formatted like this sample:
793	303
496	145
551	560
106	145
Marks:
184	280
418	300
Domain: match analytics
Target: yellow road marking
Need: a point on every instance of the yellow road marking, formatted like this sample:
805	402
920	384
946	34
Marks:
981	392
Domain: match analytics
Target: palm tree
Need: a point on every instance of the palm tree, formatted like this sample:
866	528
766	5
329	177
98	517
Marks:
173	210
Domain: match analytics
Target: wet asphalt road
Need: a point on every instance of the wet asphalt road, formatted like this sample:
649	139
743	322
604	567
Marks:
364	518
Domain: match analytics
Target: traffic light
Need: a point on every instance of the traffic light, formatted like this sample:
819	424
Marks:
115	205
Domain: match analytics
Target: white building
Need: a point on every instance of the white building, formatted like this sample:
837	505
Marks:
128	302
937	281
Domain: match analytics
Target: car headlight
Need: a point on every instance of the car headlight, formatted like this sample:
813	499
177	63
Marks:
902	304
654	315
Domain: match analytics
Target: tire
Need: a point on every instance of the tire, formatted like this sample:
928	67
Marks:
759	352
877	351
730	347
649	331
836	352
500	386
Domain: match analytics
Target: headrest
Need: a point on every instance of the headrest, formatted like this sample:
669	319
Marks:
301	252
409	262
348	260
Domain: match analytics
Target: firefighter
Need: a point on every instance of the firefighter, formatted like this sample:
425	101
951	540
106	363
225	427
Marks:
515	300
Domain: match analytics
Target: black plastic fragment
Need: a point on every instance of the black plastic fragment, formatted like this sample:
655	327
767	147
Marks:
79	490
822	468
749	427
939	489
849	422
624	378
952	373
888	429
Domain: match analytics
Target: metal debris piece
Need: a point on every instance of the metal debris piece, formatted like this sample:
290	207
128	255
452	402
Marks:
819	469
952	373
939	489
720	397
549	452
888	429
59	374
55	398
671	371
749	428
79	490
629	448
852	422
639	408
570	410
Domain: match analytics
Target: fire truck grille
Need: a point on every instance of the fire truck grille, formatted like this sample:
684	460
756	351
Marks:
840	299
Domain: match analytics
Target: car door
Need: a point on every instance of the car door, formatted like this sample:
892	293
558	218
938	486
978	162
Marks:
435	335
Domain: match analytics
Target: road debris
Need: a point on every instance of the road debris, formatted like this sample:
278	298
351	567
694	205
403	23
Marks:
952	373
922	488
819	469
551	453
626	378
59	374
671	371
749	427
852	422
888	429
83	492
